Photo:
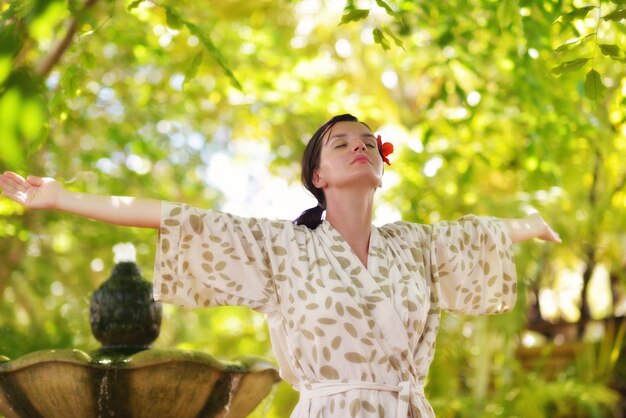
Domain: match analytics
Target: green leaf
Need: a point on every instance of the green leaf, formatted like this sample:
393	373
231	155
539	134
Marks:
387	8
215	53
192	71
610	50
89	59
616	15
134	5
44	18
74	7
569	45
11	150
70	80
32	119
379	38
173	18
389	32
354	15
507	9
10	39
577	13
594	89
570	66
5	67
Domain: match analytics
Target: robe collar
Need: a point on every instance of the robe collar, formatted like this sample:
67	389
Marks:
334	238
391	334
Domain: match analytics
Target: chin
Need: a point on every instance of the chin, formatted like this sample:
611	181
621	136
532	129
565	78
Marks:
364	179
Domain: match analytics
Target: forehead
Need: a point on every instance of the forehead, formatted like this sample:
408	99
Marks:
348	127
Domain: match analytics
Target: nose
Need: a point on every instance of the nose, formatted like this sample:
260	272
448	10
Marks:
359	145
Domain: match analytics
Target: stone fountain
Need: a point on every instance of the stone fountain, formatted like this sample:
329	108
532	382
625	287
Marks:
125	378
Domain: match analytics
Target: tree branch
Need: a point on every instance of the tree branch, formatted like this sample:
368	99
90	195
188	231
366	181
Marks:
44	68
620	185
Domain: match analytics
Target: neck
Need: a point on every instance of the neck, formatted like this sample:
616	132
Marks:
350	213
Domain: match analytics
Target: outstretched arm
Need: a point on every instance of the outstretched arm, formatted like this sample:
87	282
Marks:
46	193
533	226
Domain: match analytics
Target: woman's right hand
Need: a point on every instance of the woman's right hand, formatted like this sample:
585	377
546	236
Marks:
46	193
33	192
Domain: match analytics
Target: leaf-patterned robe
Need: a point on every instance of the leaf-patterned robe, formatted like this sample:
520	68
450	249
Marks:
355	340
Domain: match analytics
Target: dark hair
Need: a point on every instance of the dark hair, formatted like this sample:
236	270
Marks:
312	217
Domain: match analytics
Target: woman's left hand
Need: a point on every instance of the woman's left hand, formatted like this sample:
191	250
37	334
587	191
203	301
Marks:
533	226
547	233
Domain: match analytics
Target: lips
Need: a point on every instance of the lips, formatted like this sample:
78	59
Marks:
360	159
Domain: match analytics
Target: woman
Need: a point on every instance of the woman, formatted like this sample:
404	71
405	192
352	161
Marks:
352	309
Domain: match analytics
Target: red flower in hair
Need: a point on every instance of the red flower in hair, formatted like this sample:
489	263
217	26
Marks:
385	149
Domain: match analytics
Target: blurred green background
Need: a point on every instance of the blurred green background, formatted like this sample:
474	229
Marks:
495	107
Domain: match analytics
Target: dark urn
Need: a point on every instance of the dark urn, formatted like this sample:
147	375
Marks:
123	314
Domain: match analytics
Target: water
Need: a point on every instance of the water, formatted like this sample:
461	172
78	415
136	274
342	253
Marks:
103	393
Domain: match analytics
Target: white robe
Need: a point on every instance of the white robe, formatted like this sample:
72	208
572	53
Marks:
354	340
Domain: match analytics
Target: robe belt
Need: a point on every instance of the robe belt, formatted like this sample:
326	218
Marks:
310	390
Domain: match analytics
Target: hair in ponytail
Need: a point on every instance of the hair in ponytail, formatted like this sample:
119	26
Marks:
312	217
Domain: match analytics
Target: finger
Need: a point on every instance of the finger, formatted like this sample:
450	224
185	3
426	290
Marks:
554	237
14	176
8	184
35	181
15	179
17	197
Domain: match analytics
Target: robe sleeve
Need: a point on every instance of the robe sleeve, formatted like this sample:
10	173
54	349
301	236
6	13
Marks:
471	265
207	258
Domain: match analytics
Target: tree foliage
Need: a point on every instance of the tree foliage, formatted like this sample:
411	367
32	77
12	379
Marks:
495	108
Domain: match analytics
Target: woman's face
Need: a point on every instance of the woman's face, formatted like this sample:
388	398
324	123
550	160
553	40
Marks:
349	156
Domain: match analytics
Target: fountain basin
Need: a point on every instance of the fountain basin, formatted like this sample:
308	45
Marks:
147	384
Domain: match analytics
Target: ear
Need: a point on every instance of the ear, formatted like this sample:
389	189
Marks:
318	181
